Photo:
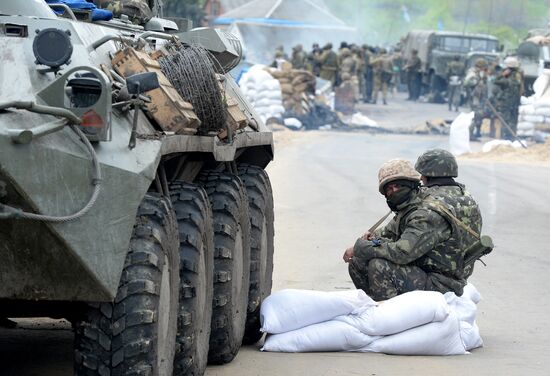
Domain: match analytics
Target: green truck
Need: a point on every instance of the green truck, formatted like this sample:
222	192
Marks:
437	48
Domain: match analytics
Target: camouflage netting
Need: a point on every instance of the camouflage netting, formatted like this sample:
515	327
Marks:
191	71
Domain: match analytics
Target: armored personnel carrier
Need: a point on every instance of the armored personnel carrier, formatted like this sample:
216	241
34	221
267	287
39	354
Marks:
133	197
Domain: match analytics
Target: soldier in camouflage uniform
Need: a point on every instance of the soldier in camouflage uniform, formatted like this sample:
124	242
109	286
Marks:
299	57
313	63
455	75
138	11
438	168
383	72
476	83
329	64
508	89
416	250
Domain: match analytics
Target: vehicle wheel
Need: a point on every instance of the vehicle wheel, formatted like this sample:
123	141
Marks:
141	337
196	236
92	342
260	206
231	263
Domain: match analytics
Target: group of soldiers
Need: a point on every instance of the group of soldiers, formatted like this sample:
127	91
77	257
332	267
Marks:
370	70
426	244
493	92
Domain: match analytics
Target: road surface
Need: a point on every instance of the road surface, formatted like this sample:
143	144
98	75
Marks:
326	194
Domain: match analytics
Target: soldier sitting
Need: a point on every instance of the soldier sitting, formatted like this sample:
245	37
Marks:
417	250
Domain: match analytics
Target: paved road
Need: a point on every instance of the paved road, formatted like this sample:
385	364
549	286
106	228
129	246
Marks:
326	195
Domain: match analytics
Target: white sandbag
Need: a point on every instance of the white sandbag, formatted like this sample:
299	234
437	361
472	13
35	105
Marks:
464	308
360	119
400	313
525	126
469	333
488	146
270	85
293	123
273	94
459	137
252	93
533	118
527	100
277	109
436	338
264	102
542	102
528	109
540	85
544	111
326	336
291	309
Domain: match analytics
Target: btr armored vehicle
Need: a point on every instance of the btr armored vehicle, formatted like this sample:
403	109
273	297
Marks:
134	200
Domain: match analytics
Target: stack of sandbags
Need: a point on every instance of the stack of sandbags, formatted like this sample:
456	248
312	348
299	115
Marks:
534	111
263	92
295	85
415	323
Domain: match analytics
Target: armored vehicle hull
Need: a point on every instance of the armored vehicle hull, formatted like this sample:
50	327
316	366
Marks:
147	234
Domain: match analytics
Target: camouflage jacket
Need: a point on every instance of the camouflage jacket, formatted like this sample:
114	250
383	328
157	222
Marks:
508	91
476	83
414	64
138	11
420	235
329	60
299	60
455	68
465	209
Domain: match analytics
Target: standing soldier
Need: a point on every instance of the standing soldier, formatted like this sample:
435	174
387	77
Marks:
413	68
299	57
358	55
455	74
476	83
369	74
313	64
329	64
383	71
397	61
347	63
138	11
508	87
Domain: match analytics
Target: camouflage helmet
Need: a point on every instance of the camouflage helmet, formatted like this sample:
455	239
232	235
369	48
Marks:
396	169
345	52
437	163
481	63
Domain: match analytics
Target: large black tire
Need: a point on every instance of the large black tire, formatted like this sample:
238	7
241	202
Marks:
196	273
231	263
141	337
260	205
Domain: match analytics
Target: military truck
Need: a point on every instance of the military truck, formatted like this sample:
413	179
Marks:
134	200
533	54
437	48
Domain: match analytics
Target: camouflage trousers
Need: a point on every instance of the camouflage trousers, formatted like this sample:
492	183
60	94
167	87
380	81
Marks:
382	279
380	85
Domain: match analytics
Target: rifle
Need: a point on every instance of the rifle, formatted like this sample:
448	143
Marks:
493	109
483	246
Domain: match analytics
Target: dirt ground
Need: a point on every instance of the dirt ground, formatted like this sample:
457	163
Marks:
538	154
